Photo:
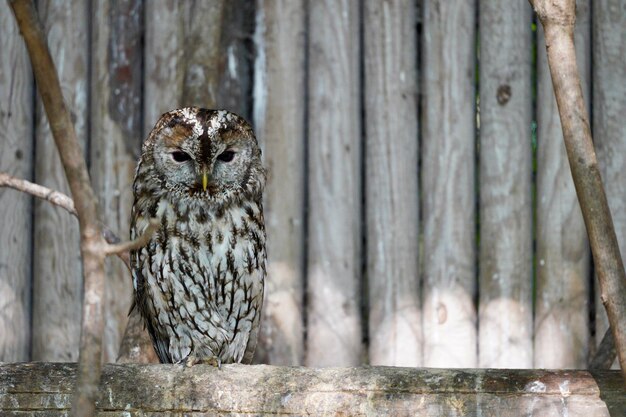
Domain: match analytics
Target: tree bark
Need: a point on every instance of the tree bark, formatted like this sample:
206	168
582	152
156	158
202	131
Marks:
557	18
45	388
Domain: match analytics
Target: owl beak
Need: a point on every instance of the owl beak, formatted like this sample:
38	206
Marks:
205	180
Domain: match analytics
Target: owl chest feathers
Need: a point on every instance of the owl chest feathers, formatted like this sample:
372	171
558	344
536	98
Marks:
201	277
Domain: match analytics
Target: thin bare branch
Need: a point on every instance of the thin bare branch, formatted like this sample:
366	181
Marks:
63	201
39	191
140	242
558	18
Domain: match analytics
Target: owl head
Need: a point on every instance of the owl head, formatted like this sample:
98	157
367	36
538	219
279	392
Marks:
202	155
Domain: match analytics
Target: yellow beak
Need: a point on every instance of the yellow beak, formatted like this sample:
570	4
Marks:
205	180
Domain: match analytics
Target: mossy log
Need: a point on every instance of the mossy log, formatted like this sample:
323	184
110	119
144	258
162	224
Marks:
45	389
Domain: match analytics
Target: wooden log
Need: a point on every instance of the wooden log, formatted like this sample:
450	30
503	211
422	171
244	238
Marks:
609	108
505	319
391	203
16	158
115	141
448	172
279	105
334	136
57	272
45	389
563	256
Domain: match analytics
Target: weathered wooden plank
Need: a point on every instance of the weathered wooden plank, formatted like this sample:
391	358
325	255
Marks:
562	304
391	203
505	319
115	140
334	136
236	63
197	54
270	390
609	108
279	102
57	275
16	158
163	63
448	199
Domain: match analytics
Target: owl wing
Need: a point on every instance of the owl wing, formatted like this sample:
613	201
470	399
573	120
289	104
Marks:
160	340
248	354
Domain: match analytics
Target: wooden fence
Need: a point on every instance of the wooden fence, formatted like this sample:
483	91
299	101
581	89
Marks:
419	209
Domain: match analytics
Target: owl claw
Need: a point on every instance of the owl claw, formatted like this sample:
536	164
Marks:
213	361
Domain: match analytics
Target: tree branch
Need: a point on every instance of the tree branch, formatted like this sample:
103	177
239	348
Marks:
85	203
558	18
39	191
140	242
65	202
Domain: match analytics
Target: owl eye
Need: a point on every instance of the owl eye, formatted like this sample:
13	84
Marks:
226	156
180	156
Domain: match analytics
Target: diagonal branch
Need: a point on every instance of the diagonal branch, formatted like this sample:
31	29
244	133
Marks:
558	18
65	202
54	197
85	202
140	242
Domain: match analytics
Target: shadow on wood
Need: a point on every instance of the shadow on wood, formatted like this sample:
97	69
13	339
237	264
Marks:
46	389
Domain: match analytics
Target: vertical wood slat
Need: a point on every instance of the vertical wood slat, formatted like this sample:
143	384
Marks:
562	294
115	141
235	58
505	276
334	137
192	59
57	275
16	158
391	204
163	57
448	198
609	108
279	102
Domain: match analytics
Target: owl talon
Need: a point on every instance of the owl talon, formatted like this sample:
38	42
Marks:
212	361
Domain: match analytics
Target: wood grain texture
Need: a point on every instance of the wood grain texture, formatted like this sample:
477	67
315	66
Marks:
505	319
164	74
57	274
334	179
391	203
562	303
235	59
16	158
45	389
609	108
279	102
197	53
115	141
448	194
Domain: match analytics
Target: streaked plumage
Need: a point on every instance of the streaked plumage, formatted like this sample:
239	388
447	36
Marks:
199	281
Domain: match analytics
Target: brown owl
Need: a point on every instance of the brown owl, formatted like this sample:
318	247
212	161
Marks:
199	281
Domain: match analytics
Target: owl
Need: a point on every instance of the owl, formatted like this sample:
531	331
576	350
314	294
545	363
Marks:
199	281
